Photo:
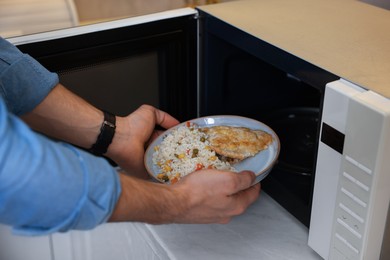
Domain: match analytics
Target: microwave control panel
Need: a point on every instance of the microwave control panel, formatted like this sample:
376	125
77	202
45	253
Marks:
351	192
362	199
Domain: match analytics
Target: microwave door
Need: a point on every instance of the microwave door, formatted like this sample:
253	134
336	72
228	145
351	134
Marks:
122	64
351	195
117	66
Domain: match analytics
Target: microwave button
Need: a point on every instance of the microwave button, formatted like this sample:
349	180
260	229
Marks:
351	229
353	197
345	242
350	219
355	181
354	221
359	165
346	239
337	255
352	213
350	187
349	225
343	223
363	179
345	248
352	205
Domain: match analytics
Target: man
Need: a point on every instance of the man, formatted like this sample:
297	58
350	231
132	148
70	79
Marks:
52	186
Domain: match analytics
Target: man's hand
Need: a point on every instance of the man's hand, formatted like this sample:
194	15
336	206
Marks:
206	196
133	133
214	196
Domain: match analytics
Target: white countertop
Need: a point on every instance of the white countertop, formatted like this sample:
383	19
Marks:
265	231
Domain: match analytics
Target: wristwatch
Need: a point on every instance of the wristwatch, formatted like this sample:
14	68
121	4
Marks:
107	132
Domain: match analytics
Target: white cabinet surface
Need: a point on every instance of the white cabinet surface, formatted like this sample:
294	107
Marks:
24	248
265	231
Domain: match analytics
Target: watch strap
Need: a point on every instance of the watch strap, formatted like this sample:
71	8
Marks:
107	132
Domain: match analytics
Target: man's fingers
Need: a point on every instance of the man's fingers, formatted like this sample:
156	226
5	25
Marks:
246	179
164	119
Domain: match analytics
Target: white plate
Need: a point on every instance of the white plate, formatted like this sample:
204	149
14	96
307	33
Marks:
261	164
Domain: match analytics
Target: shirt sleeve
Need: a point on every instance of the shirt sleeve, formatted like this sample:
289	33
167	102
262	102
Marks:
47	186
24	82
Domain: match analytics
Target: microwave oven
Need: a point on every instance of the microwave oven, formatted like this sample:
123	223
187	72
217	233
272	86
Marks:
230	58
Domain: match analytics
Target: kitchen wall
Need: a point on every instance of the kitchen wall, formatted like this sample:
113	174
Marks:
21	17
91	10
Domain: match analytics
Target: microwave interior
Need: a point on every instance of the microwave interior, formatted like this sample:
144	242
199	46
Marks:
245	76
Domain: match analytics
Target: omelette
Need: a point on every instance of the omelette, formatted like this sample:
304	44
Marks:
237	143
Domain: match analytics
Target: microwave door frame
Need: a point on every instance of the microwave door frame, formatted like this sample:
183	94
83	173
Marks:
171	34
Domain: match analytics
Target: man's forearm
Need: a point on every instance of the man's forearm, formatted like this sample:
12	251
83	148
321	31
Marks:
65	116
145	201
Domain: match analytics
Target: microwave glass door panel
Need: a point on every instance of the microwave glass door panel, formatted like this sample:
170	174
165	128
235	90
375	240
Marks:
120	65
116	84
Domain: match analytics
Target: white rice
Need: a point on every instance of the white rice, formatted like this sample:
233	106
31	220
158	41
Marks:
176	156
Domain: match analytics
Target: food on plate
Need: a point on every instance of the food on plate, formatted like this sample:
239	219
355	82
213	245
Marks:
190	148
237	142
183	151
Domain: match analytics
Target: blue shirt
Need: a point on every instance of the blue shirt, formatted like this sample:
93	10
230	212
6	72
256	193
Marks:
45	186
